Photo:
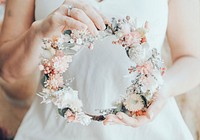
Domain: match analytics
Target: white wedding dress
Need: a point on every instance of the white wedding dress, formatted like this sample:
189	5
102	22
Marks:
100	79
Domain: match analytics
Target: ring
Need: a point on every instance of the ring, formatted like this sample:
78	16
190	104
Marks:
69	10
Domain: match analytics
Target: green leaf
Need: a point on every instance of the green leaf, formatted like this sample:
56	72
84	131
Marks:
44	79
68	45
69	52
67	32
62	111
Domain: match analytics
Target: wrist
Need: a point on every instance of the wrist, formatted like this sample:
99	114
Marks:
36	29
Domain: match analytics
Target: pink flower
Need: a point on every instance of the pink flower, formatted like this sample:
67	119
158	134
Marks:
55	82
149	83
163	71
59	53
134	102
126	29
144	69
70	116
47	67
135	34
128	39
60	62
136	37
149	78
143	40
91	46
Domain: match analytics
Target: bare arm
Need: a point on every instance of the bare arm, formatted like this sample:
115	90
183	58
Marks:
17	22
15	38
20	38
183	35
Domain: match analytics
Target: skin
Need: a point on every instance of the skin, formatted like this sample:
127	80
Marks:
2	2
22	46
183	35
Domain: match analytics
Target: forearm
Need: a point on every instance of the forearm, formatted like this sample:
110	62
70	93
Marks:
182	76
23	89
21	56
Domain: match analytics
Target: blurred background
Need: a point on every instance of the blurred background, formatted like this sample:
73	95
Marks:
12	115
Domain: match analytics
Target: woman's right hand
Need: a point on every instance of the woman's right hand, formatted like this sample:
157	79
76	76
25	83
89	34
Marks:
23	45
20	40
82	16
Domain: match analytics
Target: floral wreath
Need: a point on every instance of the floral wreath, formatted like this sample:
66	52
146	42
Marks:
139	94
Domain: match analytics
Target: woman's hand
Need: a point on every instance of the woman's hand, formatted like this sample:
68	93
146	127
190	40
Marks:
20	51
82	16
155	108
25	42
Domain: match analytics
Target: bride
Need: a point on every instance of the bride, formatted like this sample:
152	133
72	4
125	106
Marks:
99	73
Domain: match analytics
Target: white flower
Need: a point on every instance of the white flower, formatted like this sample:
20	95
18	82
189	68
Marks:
134	102
60	40
67	98
83	118
137	54
79	41
71	41
69	58
119	34
126	28
45	95
61	63
67	38
149	83
52	51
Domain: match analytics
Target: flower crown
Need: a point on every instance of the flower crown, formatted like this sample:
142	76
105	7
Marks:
139	94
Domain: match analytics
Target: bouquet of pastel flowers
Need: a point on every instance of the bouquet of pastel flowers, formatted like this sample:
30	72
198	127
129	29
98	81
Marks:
139	95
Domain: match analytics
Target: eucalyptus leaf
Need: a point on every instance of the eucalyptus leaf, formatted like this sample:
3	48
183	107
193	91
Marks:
69	52
63	111
68	45
44	79
67	32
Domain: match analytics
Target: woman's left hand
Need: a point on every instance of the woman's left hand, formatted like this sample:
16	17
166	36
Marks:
154	109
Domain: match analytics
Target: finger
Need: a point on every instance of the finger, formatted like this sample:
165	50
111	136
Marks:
155	108
70	23
63	9
142	120
112	119
127	120
92	14
76	14
105	19
134	122
79	15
